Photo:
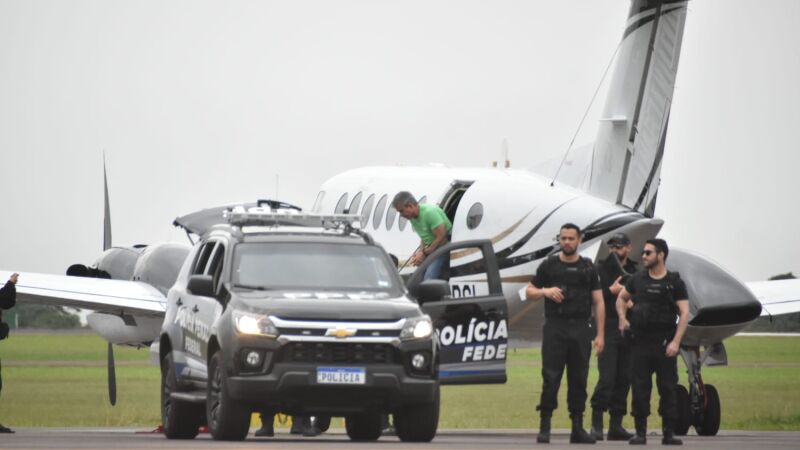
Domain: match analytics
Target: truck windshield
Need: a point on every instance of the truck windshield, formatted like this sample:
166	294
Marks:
312	266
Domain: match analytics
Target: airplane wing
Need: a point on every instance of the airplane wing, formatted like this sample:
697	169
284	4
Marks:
102	295
777	296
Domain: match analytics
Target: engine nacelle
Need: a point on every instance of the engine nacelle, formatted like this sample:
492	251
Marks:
130	330
720	305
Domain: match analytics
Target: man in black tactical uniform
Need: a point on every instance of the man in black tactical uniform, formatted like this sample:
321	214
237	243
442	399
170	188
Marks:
614	365
8	298
571	288
655	297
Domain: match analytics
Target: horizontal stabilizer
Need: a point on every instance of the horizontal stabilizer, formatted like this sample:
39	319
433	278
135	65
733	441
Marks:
777	296
98	294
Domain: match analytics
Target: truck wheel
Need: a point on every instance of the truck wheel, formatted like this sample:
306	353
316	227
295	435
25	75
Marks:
181	420
363	427
228	420
418	423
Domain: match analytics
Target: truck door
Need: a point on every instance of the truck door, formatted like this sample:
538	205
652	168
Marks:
472	322
199	311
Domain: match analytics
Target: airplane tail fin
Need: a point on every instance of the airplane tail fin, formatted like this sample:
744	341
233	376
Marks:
626	161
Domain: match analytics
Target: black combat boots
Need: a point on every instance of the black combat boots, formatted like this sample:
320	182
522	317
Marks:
597	425
669	437
579	435
641	432
615	430
544	428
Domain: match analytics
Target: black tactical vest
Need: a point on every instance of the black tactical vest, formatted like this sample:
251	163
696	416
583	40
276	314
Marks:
654	310
575	281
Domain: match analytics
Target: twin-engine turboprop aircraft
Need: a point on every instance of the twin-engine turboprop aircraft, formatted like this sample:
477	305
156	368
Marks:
606	188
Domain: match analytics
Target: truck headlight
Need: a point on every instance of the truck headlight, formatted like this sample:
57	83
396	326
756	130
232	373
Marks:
418	328
254	324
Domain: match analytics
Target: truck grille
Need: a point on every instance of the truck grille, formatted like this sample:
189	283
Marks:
326	352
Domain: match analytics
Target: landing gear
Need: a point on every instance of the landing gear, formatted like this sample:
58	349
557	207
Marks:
699	406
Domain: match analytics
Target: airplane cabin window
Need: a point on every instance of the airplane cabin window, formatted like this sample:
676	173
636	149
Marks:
401	223
340	204
390	215
366	210
355	204
474	216
378	216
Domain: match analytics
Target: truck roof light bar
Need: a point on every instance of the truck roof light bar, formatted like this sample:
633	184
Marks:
266	217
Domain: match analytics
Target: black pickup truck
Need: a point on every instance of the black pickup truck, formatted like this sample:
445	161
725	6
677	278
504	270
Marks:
305	314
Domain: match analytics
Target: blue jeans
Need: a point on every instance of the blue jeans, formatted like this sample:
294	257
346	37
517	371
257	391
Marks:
434	271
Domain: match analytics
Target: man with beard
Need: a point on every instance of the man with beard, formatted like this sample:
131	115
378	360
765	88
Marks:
570	287
655	297
614	365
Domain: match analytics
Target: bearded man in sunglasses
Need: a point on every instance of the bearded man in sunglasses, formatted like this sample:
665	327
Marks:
656	299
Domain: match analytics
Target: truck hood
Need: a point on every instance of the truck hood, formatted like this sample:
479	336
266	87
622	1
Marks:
331	306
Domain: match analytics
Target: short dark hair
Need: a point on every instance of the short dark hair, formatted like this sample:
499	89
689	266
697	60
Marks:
660	245
403	198
571	226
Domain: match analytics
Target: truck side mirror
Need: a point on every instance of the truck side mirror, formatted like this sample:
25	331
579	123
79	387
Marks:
202	285
432	291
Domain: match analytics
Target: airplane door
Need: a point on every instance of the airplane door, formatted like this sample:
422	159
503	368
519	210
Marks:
472	331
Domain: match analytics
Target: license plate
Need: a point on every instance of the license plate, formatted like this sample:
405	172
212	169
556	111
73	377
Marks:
341	375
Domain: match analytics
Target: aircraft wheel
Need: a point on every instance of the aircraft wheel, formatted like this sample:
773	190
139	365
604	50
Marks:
363	427
181	420
228	420
684	420
709	424
418	423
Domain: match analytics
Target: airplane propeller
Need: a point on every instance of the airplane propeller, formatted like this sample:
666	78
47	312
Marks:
112	376
112	372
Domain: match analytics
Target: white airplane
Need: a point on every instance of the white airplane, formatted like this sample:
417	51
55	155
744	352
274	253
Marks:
605	188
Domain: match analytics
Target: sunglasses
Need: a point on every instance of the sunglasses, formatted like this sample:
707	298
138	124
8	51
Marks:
647	252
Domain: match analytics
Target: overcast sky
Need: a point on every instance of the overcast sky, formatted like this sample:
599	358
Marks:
199	103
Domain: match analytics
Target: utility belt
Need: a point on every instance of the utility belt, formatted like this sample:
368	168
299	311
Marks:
567	320
652	337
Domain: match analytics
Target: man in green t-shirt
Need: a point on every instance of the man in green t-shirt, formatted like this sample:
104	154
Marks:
431	225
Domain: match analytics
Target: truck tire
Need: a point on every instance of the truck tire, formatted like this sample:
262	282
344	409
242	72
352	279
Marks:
181	420
228	420
363	427
418	423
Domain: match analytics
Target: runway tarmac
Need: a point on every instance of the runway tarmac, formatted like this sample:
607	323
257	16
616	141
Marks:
121	439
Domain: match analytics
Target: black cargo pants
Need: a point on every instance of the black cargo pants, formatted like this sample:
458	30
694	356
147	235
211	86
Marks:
614	366
565	343
649	357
